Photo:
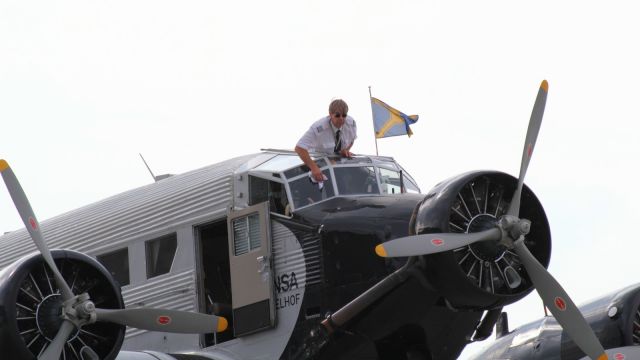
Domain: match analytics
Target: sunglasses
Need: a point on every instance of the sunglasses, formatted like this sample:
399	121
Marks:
339	115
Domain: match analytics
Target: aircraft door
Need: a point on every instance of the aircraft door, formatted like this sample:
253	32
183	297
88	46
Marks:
253	299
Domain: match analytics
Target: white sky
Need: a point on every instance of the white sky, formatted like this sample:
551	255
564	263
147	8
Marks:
87	85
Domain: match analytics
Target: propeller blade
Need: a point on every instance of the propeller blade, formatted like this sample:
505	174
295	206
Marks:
31	223
529	144
621	353
173	321
425	244
54	350
562	307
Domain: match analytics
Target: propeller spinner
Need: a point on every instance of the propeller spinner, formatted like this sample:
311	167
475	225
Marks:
510	231
79	310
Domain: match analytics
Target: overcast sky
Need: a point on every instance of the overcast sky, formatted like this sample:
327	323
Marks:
87	85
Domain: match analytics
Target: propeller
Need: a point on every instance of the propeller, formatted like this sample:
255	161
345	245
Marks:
31	223
510	231
622	353
53	351
79	310
529	144
424	244
160	320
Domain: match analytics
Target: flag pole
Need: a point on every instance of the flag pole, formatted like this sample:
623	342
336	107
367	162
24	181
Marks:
374	124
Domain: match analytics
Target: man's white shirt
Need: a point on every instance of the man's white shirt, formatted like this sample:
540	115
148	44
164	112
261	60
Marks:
321	136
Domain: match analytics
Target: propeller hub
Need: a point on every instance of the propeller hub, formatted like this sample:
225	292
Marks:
485	250
49	316
514	227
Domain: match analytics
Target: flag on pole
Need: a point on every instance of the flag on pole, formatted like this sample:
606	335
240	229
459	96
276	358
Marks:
388	121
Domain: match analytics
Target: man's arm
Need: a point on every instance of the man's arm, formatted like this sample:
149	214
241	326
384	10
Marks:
306	158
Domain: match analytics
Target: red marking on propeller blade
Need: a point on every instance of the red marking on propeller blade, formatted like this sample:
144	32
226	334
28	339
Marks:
529	149
560	303
164	320
437	242
619	356
33	223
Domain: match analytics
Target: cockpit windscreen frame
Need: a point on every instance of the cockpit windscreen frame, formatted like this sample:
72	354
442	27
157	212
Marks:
357	176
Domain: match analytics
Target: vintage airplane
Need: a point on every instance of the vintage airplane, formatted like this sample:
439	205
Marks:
614	317
286	264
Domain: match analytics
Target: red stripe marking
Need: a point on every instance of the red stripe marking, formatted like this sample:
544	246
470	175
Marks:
560	303
619	356
437	242
33	223
164	320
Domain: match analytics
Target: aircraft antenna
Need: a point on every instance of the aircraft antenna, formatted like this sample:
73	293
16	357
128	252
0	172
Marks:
148	168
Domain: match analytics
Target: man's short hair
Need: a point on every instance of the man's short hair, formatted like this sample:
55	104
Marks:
338	105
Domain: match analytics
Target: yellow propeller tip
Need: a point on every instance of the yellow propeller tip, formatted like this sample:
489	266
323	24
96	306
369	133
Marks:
603	357
3	164
545	85
222	324
381	251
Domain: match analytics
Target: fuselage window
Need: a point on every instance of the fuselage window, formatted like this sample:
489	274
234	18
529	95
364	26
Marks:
160	253
246	234
356	180
117	263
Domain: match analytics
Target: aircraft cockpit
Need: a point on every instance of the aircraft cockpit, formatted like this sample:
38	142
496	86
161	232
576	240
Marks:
281	178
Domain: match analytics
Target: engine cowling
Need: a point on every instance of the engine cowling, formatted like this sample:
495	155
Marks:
474	277
615	317
30	306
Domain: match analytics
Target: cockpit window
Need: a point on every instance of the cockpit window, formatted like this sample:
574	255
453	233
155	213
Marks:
278	163
348	161
392	183
303	169
356	180
266	190
305	192
388	163
410	186
284	181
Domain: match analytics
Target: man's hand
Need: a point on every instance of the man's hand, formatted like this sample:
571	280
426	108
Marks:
346	153
317	174
315	170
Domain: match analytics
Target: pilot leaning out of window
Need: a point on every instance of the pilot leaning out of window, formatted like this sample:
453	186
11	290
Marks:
331	134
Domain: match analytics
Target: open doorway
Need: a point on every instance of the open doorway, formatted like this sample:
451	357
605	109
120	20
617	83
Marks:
215	278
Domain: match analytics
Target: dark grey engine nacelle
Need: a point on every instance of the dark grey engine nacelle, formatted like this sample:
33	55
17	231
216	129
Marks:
615	318
473	277
30	306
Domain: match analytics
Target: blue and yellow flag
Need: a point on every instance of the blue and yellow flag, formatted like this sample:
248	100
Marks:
388	121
